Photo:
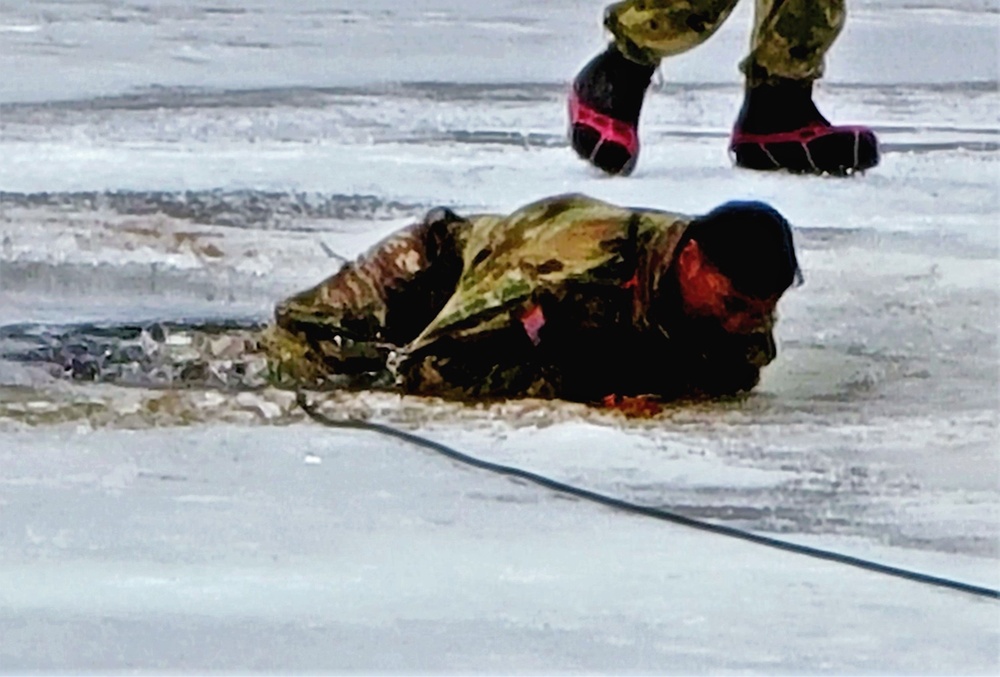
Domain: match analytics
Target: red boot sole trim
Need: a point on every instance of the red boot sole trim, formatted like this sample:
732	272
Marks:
804	136
610	129
801	135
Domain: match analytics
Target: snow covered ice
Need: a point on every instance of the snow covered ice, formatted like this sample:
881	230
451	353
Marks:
200	160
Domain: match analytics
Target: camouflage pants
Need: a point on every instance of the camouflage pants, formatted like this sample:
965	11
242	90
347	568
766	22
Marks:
789	40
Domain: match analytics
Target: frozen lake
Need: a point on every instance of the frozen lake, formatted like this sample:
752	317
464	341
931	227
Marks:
196	160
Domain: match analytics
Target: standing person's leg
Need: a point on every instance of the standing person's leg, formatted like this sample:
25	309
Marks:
608	93
779	126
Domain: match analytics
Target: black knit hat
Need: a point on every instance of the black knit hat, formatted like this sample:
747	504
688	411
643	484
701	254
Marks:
751	244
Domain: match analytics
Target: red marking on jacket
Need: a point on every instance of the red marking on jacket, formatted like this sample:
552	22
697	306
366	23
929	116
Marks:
533	319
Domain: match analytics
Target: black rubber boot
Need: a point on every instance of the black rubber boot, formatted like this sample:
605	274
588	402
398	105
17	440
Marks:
779	127
604	107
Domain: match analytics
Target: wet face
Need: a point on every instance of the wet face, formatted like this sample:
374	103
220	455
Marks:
708	295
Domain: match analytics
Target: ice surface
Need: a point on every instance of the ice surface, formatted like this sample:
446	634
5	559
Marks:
202	159
69	50
217	547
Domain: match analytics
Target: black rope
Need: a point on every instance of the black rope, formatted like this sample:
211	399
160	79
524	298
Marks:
656	513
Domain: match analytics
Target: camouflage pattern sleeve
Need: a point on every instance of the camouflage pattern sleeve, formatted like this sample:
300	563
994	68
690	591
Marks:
540	247
351	322
499	363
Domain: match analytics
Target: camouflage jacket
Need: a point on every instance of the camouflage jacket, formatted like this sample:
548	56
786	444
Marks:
567	297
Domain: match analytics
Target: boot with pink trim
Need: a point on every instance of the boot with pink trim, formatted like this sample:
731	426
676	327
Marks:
604	107
779	127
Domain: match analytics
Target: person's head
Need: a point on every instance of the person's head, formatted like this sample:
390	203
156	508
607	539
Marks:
733	264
